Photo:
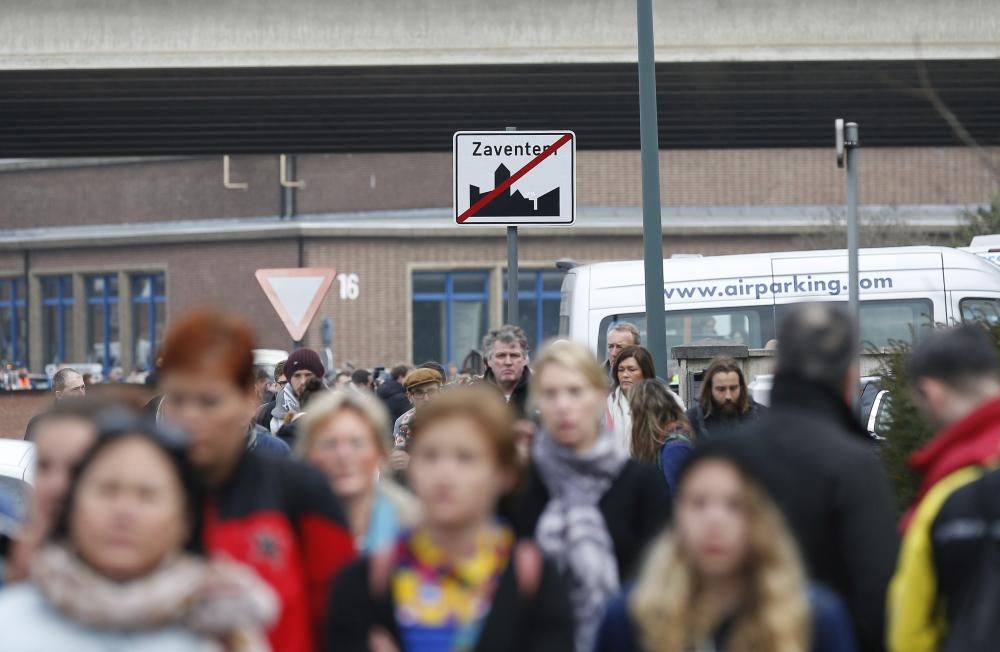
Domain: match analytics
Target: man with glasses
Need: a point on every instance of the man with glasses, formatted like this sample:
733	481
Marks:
422	385
67	383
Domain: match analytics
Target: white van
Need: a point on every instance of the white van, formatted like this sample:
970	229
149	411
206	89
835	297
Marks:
742	299
986	246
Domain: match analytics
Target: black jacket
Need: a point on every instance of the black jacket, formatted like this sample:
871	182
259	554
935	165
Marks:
716	424
636	508
542	622
263	416
394	397
812	456
519	398
959	542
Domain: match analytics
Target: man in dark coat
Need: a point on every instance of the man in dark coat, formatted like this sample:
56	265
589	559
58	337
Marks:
817	461
725	403
393	394
506	351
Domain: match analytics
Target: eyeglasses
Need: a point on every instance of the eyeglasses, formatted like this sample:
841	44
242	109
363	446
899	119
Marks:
424	393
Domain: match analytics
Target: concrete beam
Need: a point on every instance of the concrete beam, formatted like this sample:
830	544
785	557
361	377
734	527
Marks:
192	33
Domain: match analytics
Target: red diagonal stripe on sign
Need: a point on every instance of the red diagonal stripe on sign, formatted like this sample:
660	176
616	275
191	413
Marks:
493	194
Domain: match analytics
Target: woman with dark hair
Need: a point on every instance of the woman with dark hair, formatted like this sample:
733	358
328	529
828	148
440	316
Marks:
116	573
661	433
726	577
633	365
275	515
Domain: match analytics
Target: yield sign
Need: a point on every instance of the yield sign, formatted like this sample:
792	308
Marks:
296	294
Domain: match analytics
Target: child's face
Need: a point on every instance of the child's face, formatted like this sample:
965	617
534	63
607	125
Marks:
454	471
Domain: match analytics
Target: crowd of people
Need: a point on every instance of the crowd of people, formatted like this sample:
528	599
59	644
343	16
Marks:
558	502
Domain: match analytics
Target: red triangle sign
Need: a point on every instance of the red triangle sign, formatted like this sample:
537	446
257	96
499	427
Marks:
296	294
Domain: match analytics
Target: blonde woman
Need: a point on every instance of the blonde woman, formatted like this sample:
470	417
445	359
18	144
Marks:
579	476
344	435
726	579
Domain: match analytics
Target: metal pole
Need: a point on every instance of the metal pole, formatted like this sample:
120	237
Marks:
851	151
652	226
512	276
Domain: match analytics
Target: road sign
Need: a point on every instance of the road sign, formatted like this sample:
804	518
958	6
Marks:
296	294
514	177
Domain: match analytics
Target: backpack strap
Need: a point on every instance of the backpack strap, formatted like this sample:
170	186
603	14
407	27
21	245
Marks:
528	563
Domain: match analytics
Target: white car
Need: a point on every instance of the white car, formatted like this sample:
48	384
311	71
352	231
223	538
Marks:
17	471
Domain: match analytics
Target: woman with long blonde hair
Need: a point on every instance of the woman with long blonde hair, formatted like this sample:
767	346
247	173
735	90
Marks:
727	578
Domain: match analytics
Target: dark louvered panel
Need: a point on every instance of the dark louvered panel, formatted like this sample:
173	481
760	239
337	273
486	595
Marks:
358	109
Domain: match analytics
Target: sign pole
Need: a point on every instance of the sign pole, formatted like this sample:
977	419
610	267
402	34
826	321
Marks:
652	225
851	150
512	275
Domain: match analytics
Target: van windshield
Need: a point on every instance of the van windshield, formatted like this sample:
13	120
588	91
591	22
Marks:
882	322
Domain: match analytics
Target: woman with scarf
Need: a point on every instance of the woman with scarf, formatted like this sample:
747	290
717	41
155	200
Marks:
590	507
457	582
115	573
727	577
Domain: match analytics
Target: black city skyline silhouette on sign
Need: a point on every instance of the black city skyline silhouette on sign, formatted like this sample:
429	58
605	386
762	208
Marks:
516	204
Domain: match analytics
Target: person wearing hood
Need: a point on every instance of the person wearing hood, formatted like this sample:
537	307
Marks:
578	476
392	392
955	375
818	463
301	366
506	350
117	572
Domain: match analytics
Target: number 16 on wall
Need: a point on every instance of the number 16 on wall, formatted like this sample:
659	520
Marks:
350	286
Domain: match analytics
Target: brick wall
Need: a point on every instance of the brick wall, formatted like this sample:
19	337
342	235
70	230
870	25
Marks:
192	188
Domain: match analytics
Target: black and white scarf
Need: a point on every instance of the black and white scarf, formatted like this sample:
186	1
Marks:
572	530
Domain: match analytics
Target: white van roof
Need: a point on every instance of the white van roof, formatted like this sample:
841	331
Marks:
628	273
985	241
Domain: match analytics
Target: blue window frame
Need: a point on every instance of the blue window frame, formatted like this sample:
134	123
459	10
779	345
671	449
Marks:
102	320
450	314
57	317
538	296
149	298
13	315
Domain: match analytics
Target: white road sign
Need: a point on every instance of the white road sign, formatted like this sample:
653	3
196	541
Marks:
514	177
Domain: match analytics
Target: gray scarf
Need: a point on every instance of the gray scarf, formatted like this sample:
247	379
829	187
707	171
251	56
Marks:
285	403
571	529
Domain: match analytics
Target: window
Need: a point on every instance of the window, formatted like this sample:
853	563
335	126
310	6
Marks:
984	310
149	296
538	297
450	314
13	321
57	317
103	345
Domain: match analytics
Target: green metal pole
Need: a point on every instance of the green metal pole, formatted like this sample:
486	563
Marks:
652	225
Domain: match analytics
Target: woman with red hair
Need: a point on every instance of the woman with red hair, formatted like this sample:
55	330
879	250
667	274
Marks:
277	516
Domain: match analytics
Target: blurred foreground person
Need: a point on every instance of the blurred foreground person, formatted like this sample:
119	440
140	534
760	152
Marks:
726	578
343	436
956	378
115	575
62	437
68	384
275	515
725	403
588	505
661	434
458	581
817	462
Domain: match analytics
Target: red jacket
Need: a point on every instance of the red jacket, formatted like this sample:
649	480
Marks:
973	441
280	518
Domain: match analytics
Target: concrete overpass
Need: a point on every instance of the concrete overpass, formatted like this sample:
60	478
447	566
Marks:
101	77
49	34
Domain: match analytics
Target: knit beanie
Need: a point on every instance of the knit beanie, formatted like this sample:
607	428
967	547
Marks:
304	359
